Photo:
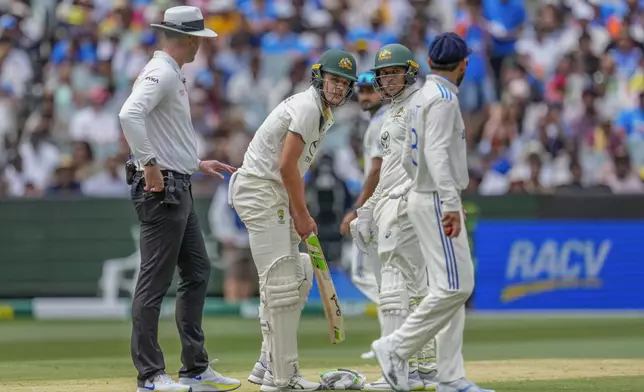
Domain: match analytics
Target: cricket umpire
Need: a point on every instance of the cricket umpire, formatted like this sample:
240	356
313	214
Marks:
158	128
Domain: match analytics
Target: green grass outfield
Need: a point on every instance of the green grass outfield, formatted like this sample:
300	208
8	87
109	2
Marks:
508	354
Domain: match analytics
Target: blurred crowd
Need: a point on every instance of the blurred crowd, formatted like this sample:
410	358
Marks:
553	98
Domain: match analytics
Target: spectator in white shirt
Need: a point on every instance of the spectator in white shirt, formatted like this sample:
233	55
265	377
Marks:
249	89
39	157
97	124
109	182
624	179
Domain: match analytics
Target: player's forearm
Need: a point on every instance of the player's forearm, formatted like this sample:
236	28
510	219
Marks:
370	185
371	202
294	185
440	171
133	124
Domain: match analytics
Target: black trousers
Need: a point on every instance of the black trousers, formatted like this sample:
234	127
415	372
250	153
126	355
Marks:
170	237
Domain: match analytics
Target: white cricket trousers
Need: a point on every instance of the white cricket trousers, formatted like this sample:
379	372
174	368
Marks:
451	282
398	245
365	272
263	207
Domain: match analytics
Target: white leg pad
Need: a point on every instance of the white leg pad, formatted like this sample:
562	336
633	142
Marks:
394	300
307	283
263	323
284	304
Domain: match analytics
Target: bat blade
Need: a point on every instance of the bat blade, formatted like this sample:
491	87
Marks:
329	296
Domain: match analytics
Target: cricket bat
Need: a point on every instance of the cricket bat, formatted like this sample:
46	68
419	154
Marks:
329	296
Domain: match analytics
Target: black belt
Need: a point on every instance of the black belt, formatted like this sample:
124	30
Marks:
175	174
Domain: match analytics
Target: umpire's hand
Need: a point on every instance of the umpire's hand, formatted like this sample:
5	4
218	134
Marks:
153	179
212	168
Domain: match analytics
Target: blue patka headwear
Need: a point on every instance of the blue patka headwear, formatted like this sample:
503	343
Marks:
448	48
365	79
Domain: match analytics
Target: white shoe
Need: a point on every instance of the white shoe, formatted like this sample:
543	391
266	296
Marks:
297	383
429	379
461	385
415	384
379	385
367	355
257	374
163	382
210	381
394	369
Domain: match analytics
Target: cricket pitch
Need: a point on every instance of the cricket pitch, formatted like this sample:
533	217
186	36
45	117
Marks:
480	371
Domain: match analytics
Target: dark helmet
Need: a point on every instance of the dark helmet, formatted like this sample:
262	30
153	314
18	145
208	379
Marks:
396	55
336	62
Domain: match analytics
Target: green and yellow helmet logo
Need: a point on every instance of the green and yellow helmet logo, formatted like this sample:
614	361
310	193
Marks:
384	54
345	63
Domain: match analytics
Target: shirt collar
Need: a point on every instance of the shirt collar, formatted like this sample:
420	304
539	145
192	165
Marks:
407	91
167	58
325	110
443	82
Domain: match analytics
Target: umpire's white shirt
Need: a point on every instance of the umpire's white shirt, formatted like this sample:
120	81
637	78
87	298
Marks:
435	154
301	113
156	117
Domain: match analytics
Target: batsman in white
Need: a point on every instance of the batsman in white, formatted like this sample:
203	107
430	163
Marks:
435	157
267	193
365	266
404	281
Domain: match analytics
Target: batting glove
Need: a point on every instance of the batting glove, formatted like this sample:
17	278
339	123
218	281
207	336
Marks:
401	191
366	226
357	238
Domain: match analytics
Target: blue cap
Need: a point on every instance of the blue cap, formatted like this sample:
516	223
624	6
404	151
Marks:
448	48
365	79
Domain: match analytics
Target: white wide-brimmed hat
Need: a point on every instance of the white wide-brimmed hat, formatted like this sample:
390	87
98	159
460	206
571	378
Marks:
185	20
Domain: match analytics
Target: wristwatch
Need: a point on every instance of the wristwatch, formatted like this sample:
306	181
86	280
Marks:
150	162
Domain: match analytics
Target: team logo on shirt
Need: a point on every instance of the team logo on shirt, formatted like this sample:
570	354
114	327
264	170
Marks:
280	216
312	149
345	63
384	54
385	140
399	113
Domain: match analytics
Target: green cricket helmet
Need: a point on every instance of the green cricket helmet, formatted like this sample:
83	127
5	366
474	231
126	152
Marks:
395	55
335	62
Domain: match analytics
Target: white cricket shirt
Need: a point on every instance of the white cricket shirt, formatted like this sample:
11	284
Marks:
371	141
156	117
435	154
392	139
302	113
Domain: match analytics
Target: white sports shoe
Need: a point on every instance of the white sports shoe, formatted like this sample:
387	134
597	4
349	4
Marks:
379	385
415	384
429	379
394	369
164	383
368	355
257	374
297	383
461	385
210	381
